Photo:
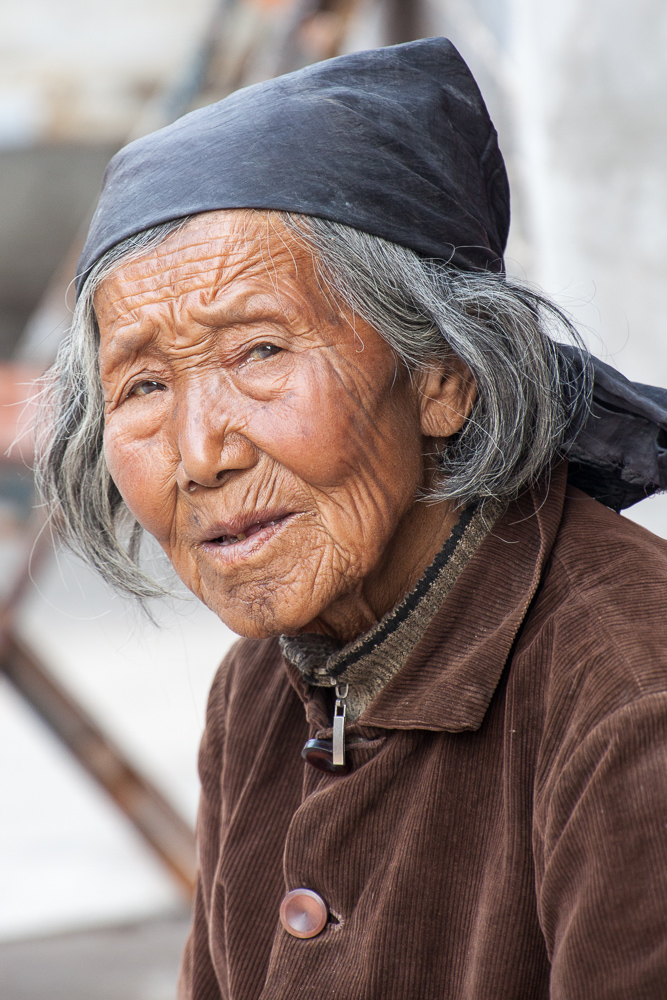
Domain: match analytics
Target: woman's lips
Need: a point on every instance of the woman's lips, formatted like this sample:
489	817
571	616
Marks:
252	529
244	538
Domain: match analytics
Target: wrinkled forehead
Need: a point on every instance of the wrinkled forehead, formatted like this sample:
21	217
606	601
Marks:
213	256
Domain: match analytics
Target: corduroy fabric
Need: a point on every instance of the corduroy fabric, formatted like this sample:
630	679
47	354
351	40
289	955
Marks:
503	832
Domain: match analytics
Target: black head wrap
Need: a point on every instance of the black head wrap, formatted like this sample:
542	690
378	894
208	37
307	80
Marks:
396	142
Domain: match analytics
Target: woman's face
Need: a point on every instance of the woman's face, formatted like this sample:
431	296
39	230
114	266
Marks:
269	441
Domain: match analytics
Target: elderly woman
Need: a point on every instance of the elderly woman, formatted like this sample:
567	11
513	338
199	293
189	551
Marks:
436	764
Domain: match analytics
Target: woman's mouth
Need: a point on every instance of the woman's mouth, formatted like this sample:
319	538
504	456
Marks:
235	537
252	529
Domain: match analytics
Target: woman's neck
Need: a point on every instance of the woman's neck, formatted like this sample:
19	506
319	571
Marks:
420	535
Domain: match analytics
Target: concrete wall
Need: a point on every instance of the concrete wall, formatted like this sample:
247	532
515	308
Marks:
590	93
591	100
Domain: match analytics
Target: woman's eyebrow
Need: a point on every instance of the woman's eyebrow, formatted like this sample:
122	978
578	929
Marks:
241	307
144	337
123	344
210	307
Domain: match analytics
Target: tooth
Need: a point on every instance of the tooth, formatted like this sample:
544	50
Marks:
241	536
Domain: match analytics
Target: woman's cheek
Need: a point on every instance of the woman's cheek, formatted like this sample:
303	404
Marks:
312	433
141	469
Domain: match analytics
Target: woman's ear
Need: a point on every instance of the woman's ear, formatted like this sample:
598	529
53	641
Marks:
447	392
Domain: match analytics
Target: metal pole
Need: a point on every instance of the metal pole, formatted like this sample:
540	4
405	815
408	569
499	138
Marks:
404	21
154	817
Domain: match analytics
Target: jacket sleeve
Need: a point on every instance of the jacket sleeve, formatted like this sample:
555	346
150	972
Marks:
602	888
200	977
197	979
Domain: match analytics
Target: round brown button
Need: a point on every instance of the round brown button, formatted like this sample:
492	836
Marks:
303	913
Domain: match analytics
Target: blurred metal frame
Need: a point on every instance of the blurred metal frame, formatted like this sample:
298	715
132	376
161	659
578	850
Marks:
164	829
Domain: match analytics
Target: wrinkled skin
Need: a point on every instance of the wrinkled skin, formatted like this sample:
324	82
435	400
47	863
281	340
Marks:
268	439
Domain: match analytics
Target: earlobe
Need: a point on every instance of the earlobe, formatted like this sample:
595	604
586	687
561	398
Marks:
447	396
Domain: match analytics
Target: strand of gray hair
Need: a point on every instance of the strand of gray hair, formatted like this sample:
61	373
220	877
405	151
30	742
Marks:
425	310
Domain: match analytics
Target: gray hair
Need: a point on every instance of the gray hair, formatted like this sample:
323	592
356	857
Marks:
504	331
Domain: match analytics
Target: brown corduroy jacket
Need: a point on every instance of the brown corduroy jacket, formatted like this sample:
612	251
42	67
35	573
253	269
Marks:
502	834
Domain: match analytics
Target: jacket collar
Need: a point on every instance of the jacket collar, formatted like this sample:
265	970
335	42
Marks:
451	675
449	678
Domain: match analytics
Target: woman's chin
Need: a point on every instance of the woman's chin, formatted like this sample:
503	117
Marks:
264	622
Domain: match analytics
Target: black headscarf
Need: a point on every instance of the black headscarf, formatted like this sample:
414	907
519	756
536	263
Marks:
396	142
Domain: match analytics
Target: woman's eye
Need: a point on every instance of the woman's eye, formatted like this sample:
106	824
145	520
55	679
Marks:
263	351
144	388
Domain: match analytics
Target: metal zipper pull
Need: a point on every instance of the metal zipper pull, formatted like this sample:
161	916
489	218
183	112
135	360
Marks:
338	757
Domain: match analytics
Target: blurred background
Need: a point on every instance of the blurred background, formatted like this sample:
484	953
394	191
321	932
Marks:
100	710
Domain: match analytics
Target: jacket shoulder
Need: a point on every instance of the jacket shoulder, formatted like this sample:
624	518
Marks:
244	671
595	640
594	543
611	575
249	671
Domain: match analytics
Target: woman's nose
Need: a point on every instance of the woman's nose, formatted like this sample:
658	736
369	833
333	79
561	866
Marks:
209	451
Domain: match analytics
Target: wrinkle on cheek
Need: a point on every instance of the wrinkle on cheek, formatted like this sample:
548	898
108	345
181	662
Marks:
190	575
369	523
313	568
321	437
140	470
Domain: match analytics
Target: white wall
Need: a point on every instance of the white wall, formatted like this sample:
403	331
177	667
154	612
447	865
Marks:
578	92
590	92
